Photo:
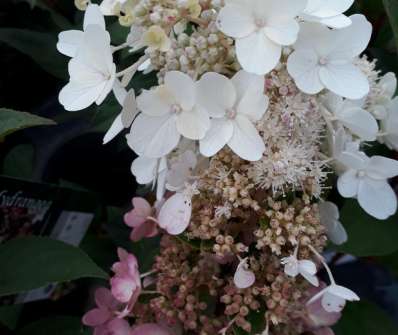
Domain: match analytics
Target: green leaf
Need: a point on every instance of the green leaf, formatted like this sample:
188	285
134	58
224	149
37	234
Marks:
12	121
391	7
19	162
364	318
9	315
33	262
41	47
391	262
256	319
367	236
58	325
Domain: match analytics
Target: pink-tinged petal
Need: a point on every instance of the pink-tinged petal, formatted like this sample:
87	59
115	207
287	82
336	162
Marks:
104	298
123	288
123	254
142	209
101	330
318	317
146	229
243	277
149	329
323	331
119	327
96	317
175	214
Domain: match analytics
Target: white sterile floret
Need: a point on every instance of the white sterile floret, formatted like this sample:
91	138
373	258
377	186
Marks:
243	277
367	180
323	58
294	267
151	170
69	41
334	298
327	12
352	116
234	105
168	111
260	29
92	71
389	126
181	170
111	7
386	88
330	216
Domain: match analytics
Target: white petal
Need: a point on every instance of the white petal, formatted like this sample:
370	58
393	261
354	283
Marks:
246	141
69	42
337	234
252	100
307	266
329	213
130	110
75	96
153	137
377	198
93	15
360	122
303	66
312	279
389	84
315	37
115	129
236	21
193	124
350	42
107	6
337	22
243	277
182	88
155	102
332	303
339	6
257	53
348	184
354	160
345	80
144	169
282	9
175	214
120	92
217	137
283	32
343	292
382	167
216	94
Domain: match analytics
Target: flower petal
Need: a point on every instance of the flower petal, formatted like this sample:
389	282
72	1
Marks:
382	167
153	137
332	303
257	53
377	198
345	80
348	184
144	169
96	317
182	88
175	214
303	66
217	137
236	21
283	32
246	141
193	124
216	94
360	122
93	15
156	102
149	329
343	292
115	129
69	42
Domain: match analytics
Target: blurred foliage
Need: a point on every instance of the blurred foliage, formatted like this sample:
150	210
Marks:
71	153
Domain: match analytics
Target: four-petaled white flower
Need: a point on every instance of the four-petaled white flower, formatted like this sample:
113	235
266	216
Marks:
243	277
260	29
323	58
168	112
334	297
360	122
92	71
294	267
180	171
388	86
329	13
234	105
367	180
69	41
330	216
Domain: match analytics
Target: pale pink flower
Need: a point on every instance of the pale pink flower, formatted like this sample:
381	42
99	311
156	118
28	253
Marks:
126	283
141	219
103	314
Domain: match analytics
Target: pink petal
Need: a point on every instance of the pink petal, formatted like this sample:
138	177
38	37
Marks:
103	298
137	216
147	229
119	327
323	331
96	317
123	288
149	329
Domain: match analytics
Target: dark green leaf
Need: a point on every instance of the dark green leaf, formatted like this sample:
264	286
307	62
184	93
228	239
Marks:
19	162
58	325
33	262
257	320
391	7
9	315
391	262
366	235
364	318
41	47
11	121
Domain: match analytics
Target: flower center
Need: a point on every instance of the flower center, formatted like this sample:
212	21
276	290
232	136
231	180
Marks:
323	61
231	113
260	22
176	109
